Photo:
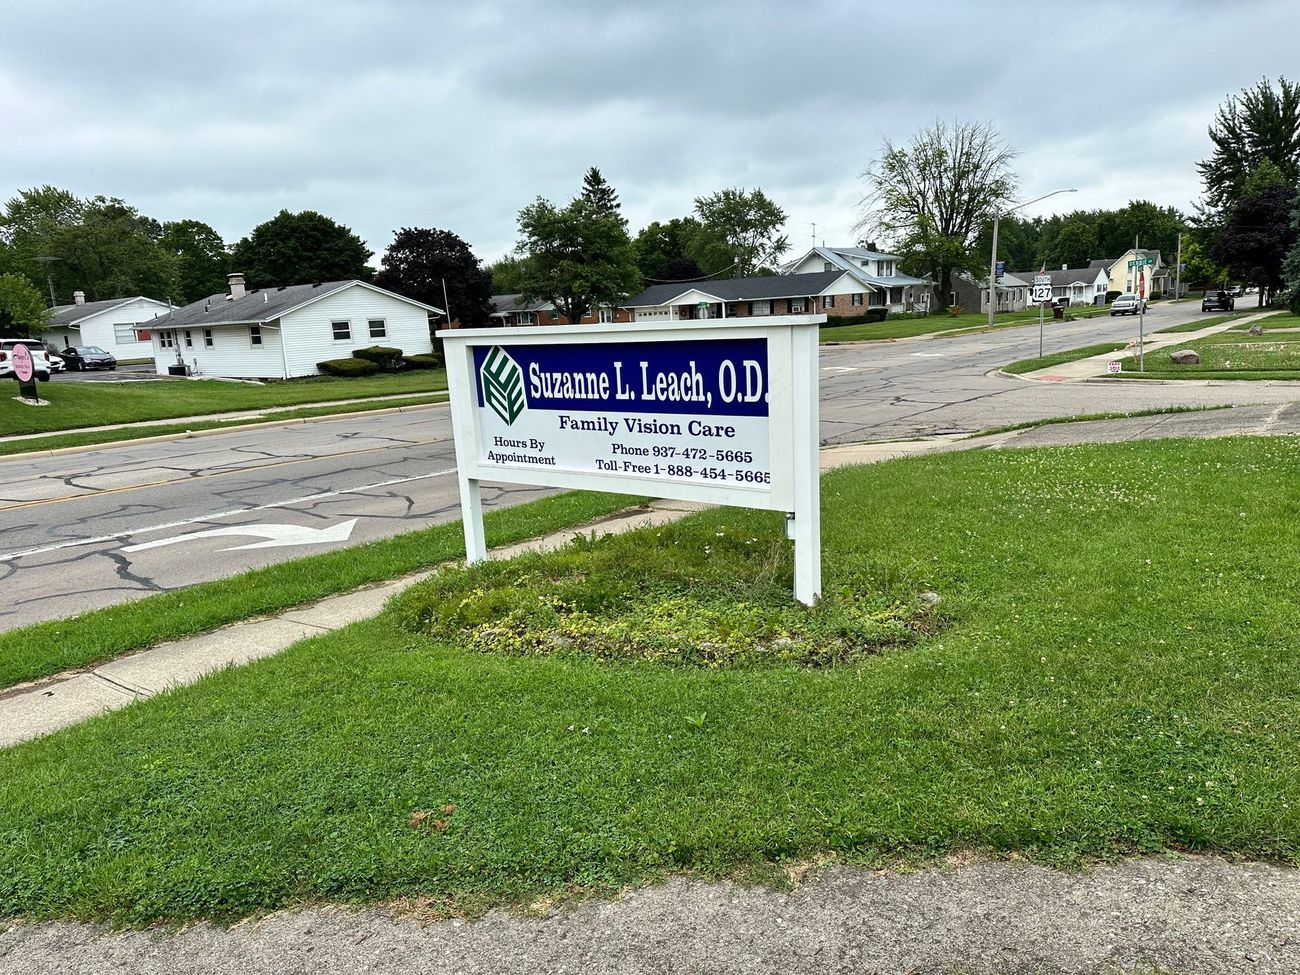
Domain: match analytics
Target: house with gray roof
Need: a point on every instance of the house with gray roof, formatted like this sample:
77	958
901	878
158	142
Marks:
972	293
1075	285
511	309
877	271
280	333
832	293
119	326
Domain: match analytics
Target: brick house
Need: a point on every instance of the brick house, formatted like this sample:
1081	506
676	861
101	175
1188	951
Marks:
512	310
835	293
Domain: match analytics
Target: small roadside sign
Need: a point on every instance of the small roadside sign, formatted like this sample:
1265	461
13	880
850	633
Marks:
24	368
1041	293
1042	279
999	269
1142	262
1114	368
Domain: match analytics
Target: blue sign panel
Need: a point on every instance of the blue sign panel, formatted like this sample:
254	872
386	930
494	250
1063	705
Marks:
711	377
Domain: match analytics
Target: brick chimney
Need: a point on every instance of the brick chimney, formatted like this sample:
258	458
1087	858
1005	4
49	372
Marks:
78	297
236	285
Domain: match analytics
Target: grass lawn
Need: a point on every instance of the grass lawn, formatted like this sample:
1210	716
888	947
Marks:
88	438
48	648
942	322
1113	671
1199	323
1231	355
1070	355
75	404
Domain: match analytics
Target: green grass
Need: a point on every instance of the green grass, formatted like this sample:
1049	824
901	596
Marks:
74	404
1117	673
1199	323
48	648
1271	324
93	437
1093	417
1057	358
1228	355
943	322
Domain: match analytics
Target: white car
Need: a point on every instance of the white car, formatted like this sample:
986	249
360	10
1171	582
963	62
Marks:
1127	305
40	358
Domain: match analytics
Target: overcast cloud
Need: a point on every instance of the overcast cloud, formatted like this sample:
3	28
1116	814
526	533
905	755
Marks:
402	113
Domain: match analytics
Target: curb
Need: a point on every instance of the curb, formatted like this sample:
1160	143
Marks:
211	432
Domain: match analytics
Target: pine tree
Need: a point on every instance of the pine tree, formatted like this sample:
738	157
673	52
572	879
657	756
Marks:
600	194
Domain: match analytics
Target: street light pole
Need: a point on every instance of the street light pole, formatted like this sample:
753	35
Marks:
993	260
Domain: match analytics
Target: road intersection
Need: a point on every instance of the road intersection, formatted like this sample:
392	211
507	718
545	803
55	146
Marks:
84	530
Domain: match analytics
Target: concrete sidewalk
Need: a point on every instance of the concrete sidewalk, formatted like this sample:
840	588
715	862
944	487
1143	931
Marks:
1093	366
41	707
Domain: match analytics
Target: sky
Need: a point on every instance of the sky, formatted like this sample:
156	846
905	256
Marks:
391	113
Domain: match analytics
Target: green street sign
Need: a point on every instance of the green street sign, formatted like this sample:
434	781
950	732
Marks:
1142	262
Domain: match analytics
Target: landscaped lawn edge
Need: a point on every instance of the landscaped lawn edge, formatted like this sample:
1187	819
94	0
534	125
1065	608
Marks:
1021	366
48	648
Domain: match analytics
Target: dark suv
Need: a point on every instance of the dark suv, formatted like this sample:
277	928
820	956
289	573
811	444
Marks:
1217	301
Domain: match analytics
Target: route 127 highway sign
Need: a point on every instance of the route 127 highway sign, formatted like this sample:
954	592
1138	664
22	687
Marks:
1041	293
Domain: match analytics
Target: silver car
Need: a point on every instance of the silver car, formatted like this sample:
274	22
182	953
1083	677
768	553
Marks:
1127	305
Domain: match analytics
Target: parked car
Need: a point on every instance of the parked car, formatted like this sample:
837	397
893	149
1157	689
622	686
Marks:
1127	305
40	358
1237	290
57	365
1217	301
79	358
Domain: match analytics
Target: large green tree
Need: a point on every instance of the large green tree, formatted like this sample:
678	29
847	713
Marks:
1291	266
1257	233
23	311
301	248
420	260
576	257
202	260
601	196
932	196
744	226
507	275
657	243
1261	124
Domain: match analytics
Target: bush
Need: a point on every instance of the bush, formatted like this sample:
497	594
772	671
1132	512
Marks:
871	315
956	311
383	356
903	315
1112	295
422	360
347	367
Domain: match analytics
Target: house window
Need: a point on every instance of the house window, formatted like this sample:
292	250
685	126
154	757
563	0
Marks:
207	338
167	339
605	315
828	301
124	334
255	335
342	331
827	266
555	314
378	328
189	339
732	311
796	306
856	299
761	308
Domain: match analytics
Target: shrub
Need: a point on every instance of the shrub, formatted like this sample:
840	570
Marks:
1112	295
956	311
876	314
901	315
871	315
347	367
383	356
422	360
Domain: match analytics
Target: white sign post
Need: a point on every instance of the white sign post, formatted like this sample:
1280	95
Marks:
1042	294
724	412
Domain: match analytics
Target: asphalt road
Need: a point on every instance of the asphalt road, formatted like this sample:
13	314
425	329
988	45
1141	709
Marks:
70	526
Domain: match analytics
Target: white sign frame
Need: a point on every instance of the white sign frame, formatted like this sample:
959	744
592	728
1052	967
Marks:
793	374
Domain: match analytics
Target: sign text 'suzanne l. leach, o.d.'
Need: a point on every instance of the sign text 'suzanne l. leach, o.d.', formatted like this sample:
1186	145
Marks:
723	411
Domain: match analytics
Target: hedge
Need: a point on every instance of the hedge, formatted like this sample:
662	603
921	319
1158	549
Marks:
347	367
383	356
422	360
871	315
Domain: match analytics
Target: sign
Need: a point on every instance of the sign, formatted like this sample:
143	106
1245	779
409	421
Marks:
1114	368
1041	293
723	412
24	367
1141	262
1000	268
1142	287
1043	279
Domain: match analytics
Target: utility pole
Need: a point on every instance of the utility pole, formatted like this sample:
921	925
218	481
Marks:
993	260
1178	269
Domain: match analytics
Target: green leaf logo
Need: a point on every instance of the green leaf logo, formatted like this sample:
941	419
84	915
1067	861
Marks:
503	385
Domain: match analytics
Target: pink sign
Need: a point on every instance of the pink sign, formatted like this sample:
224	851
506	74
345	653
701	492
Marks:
24	368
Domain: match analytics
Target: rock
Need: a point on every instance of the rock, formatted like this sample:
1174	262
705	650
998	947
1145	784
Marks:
1256	330
1185	357
930	598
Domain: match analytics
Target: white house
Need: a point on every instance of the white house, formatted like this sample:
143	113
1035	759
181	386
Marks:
119	325
874	269
833	293
279	333
1076	285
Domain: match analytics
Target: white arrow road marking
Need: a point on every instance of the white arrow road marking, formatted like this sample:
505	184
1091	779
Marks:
276	536
839	369
928	355
77	542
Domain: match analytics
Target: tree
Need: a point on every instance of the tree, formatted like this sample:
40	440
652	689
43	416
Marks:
1201	272
932	195
600	194
1291	267
1072	241
301	248
1261	124
746	224
577	257
1154	227
1257	234
658	243
678	269
23	311
202	260
507	275
420	259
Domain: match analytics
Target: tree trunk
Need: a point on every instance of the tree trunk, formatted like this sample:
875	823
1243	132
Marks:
945	286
